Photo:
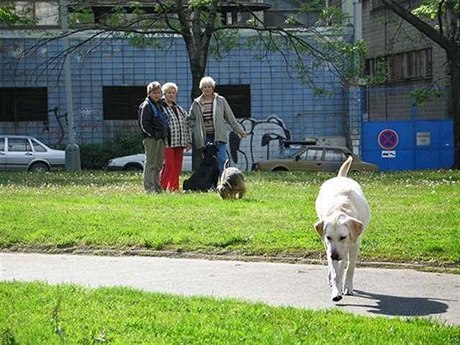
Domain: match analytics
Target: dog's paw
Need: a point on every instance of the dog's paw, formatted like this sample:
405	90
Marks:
336	298
336	294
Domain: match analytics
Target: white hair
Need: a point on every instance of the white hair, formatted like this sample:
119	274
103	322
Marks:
169	85
207	81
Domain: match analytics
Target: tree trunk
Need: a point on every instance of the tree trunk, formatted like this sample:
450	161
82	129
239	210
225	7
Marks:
454	66
197	53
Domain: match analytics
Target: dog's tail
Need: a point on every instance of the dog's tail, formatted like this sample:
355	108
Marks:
345	167
226	164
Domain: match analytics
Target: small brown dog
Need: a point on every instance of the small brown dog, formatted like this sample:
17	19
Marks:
232	183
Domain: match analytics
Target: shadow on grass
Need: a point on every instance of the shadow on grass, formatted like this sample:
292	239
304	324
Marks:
400	306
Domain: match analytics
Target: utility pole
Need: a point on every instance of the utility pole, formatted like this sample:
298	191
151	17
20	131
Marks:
72	150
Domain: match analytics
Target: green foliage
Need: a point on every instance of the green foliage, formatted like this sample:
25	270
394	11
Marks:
7	337
81	16
430	8
333	16
313	6
125	316
95	210
331	49
198	4
422	95
380	73
9	17
144	41
223	42
94	156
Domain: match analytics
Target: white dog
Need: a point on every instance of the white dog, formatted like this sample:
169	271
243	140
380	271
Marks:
343	214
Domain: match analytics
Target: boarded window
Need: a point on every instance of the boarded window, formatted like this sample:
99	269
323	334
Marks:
408	66
23	104
122	102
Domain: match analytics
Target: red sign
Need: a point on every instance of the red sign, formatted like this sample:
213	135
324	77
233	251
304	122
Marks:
388	139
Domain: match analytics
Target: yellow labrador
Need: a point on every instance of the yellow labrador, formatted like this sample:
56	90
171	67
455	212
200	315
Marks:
343	214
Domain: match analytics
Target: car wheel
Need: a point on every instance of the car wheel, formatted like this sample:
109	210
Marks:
39	166
133	167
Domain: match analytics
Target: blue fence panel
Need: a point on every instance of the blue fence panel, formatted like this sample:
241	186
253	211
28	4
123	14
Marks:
409	145
434	144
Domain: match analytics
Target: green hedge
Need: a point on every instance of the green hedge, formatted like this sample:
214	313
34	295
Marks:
94	156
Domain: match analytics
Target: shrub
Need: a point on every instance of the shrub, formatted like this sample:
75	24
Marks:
94	156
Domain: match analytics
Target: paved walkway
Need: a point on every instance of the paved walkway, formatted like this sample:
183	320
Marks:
379	292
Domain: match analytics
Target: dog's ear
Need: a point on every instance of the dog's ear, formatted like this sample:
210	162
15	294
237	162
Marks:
356	228
319	226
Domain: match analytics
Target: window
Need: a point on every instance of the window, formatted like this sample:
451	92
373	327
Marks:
289	13
19	145
408	66
37	146
334	155
238	97
23	104
38	13
122	102
313	154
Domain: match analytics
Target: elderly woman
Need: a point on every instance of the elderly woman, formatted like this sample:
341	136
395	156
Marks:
154	126
180	138
208	117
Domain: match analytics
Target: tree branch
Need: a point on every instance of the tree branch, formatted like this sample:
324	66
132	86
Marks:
419	24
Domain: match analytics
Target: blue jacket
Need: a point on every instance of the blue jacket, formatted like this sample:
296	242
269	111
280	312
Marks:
153	125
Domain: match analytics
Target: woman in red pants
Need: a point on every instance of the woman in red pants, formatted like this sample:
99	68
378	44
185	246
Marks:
180	139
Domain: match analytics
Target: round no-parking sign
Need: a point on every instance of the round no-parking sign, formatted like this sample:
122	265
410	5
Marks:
388	139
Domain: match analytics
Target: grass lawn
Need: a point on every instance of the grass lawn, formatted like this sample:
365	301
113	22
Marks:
415	220
35	313
415	216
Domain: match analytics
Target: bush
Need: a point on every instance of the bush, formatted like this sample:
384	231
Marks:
94	156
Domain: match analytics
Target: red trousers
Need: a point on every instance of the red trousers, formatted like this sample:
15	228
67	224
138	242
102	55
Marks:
172	168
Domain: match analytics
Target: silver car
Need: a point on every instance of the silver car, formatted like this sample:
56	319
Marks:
23	152
137	162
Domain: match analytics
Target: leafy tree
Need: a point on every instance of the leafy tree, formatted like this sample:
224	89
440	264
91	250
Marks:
439	20
205	32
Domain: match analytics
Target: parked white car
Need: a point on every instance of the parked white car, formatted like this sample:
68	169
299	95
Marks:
23	152
137	162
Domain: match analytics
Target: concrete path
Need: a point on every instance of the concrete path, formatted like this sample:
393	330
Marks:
379	292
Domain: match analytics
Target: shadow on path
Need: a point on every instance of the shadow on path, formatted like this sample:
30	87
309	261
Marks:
400	306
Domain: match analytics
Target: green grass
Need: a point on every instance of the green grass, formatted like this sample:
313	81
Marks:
415	219
35	313
415	216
